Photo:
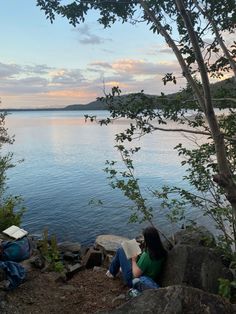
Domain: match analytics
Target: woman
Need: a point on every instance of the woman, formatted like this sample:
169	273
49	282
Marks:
146	268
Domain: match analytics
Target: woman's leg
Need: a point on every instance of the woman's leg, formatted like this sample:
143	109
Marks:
120	261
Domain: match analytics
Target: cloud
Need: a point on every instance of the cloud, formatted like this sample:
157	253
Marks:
66	77
87	38
37	69
155	50
12	70
9	70
23	85
43	86
140	67
166	50
133	69
101	64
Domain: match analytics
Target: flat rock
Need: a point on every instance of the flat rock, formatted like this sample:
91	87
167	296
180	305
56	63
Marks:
108	242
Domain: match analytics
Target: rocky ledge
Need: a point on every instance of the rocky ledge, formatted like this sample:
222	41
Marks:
189	281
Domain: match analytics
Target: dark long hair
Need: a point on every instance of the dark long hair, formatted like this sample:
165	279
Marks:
153	244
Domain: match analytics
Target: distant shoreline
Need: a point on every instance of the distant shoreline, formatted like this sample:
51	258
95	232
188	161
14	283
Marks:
48	109
227	86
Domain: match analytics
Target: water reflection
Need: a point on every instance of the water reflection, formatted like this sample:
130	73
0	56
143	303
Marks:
62	172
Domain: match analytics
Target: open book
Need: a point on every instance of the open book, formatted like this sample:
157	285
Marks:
15	232
131	248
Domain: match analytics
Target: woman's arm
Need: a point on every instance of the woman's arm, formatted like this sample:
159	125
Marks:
137	272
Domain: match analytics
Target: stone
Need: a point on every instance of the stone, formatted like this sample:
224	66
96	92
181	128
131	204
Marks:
93	257
69	256
67	246
73	269
37	261
197	266
175	300
109	243
196	236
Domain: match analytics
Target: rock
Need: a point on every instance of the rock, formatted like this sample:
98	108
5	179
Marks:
175	300
92	258
109	243
69	256
196	236
73	269
73	247
199	267
38	262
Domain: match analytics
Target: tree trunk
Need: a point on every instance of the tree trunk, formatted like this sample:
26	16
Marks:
225	176
170	42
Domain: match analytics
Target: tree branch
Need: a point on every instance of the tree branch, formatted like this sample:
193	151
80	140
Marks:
219	38
171	43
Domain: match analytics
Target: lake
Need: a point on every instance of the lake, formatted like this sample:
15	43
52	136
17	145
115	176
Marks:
62	172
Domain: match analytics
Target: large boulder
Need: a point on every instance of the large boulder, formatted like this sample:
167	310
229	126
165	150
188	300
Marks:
109	243
176	300
195	266
195	236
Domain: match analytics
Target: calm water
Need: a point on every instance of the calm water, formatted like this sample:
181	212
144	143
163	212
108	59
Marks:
62	171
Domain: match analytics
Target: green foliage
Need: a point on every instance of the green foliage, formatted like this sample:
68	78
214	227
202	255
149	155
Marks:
128	184
199	162
227	288
185	25
49	251
8	213
11	209
201	167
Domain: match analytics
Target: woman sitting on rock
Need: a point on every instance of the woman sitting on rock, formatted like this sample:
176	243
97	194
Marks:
141	271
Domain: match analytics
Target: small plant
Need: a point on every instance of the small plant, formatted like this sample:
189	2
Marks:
227	288
8	215
49	251
11	209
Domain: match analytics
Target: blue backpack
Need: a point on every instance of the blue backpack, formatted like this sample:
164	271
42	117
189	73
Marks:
16	251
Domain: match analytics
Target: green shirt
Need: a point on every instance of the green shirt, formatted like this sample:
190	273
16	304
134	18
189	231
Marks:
149	267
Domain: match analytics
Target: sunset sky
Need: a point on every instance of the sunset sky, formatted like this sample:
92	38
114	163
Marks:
54	65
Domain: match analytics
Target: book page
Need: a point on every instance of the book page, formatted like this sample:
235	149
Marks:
9	231
15	232
131	248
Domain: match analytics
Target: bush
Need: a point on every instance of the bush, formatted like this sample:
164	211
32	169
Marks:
8	215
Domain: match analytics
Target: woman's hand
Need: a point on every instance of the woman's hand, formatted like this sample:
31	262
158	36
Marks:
134	258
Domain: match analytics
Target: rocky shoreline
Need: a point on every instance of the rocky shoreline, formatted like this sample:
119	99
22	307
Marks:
189	281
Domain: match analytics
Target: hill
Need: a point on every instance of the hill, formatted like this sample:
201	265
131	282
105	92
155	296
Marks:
222	89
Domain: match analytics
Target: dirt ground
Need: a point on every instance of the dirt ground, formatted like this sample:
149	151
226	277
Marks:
89	291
